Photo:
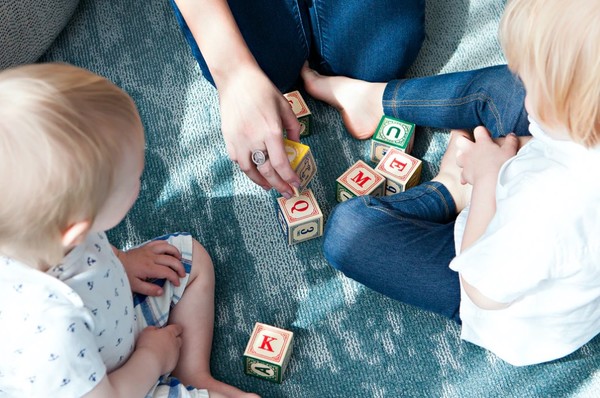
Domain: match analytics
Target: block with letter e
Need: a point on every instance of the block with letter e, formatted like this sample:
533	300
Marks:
400	170
302	161
300	217
360	179
390	133
301	111
268	352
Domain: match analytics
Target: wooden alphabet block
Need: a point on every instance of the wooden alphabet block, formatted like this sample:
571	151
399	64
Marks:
360	179
268	352
301	160
301	111
390	133
300	217
400	170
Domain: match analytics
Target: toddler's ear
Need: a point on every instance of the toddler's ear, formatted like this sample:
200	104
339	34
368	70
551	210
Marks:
75	233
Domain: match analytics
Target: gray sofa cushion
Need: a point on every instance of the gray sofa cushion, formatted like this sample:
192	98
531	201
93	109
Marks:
28	27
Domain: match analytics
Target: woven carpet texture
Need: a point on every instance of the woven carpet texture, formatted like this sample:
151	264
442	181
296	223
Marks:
349	341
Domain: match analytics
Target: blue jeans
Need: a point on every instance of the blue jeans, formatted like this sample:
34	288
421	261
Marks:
373	40
493	97
399	245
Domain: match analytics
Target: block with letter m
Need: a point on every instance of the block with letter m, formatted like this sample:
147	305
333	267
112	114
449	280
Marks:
360	179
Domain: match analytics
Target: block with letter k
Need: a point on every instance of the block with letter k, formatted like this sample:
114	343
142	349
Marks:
268	352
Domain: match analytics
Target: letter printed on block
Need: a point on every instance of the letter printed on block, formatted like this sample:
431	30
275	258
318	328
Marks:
360	179
268	352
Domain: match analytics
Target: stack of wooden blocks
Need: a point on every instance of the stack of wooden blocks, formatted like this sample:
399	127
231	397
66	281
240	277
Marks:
395	170
300	217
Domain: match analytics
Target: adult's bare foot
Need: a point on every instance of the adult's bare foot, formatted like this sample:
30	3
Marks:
450	172
359	102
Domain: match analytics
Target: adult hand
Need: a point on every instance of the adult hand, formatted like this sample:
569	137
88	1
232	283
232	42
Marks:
154	260
484	157
165	343
254	115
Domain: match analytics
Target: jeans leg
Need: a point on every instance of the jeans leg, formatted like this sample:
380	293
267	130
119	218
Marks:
399	245
493	97
373	40
276	32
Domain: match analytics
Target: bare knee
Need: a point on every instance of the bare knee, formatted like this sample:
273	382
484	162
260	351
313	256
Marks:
202	265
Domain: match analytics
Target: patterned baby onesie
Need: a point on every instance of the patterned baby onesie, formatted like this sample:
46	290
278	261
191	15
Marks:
71	326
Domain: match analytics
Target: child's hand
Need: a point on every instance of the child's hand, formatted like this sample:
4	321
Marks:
154	260
164	342
483	158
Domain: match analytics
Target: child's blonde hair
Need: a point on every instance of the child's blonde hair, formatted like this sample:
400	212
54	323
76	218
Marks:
554	46
63	133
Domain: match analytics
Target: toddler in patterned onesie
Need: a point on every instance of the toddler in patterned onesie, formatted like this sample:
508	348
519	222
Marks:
77	316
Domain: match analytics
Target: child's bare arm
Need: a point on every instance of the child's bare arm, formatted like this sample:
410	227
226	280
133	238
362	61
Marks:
156	353
481	161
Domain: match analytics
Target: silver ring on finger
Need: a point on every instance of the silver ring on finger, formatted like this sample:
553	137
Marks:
259	157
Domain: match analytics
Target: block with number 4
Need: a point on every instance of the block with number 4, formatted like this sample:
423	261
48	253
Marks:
390	133
268	352
301	160
360	179
300	217
301	111
400	170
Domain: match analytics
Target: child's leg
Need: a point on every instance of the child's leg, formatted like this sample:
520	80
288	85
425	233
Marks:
492	97
401	245
195	312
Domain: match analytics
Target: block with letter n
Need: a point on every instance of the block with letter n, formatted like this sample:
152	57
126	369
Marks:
360	179
300	217
400	170
301	111
268	352
390	133
302	161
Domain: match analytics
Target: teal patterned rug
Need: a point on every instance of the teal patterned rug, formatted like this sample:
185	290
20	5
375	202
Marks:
349	341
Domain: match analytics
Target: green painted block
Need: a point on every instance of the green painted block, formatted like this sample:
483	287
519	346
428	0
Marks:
261	369
305	125
342	193
391	132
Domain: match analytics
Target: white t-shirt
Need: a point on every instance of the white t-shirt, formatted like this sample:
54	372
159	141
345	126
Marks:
541	252
53	345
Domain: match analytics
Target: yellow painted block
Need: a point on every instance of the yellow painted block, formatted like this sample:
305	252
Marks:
301	160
